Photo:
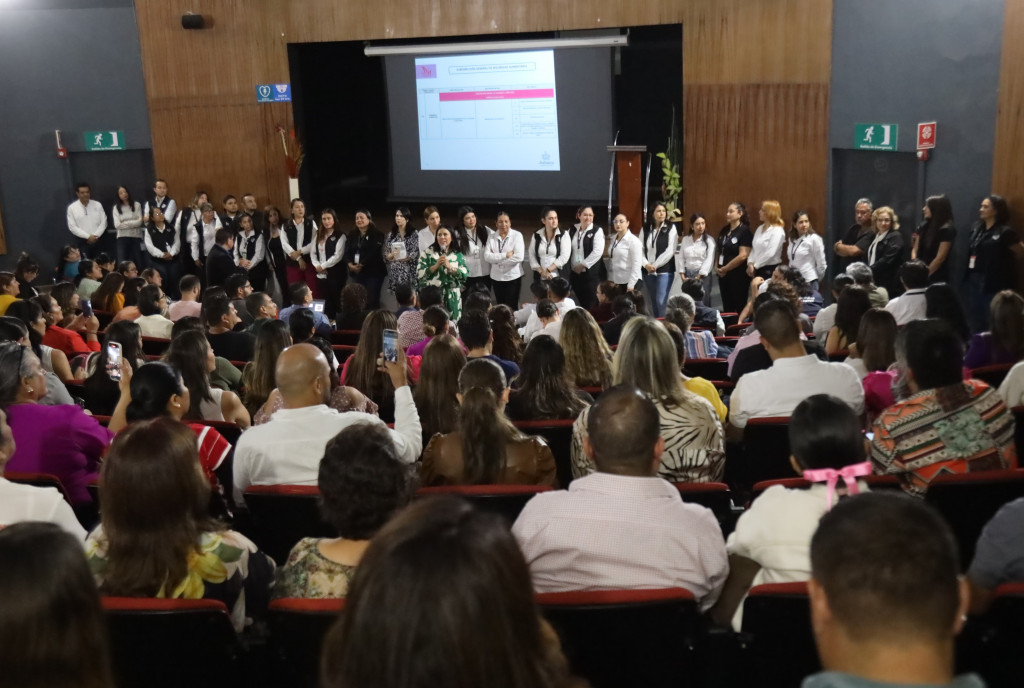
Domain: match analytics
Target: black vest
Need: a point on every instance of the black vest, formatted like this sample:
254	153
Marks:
163	241
292	233
247	247
660	246
162	206
556	240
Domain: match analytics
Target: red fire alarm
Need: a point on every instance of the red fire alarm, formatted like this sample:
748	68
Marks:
925	135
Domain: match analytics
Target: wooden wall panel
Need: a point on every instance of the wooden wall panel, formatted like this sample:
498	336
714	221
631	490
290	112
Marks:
755	101
1007	168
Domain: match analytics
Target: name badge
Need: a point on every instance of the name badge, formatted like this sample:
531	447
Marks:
357	258
734	240
970	263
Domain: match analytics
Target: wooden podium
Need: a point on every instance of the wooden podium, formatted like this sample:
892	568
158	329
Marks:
628	161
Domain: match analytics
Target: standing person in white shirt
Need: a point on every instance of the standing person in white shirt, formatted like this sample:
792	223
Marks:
587	268
505	253
426	236
550	247
251	252
129	223
474	251
659	247
288	449
766	251
161	200
806	250
696	256
209	223
625	255
297	243
327	254
87	221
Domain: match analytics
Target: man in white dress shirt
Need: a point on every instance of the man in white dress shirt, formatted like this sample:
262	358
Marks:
288	449
87	221
622	527
910	305
794	375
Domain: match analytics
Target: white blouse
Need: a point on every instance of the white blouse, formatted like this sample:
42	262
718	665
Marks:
696	255
807	254
625	259
504	269
767	246
474	254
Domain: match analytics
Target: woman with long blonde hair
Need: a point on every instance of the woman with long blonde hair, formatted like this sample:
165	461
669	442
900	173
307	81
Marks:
766	251
587	354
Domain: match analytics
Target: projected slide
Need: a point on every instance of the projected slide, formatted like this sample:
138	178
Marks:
490	111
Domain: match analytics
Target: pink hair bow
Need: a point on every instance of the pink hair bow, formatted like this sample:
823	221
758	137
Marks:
831	476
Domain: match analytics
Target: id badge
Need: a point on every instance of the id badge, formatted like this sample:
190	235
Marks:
970	263
721	259
357	259
734	240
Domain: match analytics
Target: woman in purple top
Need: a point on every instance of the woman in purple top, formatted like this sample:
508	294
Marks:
1005	342
59	440
435	322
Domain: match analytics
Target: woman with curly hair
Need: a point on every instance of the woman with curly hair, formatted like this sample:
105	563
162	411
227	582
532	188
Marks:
587	355
543	389
507	343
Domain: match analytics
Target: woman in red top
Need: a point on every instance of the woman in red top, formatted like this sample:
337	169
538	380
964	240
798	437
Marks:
79	337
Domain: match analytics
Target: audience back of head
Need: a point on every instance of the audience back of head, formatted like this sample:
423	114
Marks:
914	274
624	432
778	324
932	352
824	432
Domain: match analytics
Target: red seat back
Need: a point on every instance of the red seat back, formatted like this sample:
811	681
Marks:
297	630
281	515
505	500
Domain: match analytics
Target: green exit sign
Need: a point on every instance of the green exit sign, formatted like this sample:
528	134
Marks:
104	140
880	137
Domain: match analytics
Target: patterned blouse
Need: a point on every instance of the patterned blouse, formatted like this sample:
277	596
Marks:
227	566
450	282
694	443
308	573
402	271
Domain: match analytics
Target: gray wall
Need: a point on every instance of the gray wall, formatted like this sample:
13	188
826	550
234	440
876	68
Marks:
73	65
911	61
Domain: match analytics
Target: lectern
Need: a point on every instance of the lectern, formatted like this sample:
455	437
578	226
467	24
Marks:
626	165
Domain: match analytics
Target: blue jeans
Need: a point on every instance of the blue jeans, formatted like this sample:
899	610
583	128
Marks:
373	285
130	249
976	302
658	286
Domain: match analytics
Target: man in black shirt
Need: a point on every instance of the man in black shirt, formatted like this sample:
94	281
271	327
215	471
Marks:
855	242
220	264
221	318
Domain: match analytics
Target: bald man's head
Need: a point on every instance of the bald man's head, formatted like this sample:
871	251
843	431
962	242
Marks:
624	432
303	376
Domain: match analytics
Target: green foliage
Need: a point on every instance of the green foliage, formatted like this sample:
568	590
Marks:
672	180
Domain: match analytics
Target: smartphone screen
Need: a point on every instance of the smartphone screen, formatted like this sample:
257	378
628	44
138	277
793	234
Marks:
391	345
87	308
114	361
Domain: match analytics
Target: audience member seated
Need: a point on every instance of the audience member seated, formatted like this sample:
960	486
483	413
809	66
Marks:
853	303
437	390
998	558
1005	342
751	338
558	294
947	425
221	319
910	305
152	276
14	330
362	369
238	289
587	355
54	361
478	338
108	296
132	287
942	302
156	538
353	307
538	290
59	440
64	294
750	354
547	316
826	317
607	292
875	348
363	483
700	344
89	274
287	449
444	587
865	278
192	355
435	323
53	627
188	305
410	323
225	376
263	311
102	392
697	385
622	527
79	337
623	309
794	375
302	297
703	316
258	376
543	390
152	322
886	598
694	443
26	271
406	299
486	449
772	540
20	502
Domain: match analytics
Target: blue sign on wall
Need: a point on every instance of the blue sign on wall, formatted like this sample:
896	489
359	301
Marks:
273	93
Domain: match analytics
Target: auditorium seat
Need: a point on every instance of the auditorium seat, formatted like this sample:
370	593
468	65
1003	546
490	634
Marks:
714	496
281	515
615	638
727	341
707	368
778	640
160	642
764	454
594	392
343	351
345	337
155	346
230	431
504	500
730	318
558	435
736	329
725	386
104	318
239	364
992	375
1018	419
990	645
297	630
970	500
839	356
38	480
875	482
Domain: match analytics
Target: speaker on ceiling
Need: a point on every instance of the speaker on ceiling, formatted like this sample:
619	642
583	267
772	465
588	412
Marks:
192	21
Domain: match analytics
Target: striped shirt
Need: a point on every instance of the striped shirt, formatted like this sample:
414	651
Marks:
961	428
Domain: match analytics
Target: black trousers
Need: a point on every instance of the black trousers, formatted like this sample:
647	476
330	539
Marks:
507	292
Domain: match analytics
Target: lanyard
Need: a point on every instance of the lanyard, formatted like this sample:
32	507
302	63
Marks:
502	242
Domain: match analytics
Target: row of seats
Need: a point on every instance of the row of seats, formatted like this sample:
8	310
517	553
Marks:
668	643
